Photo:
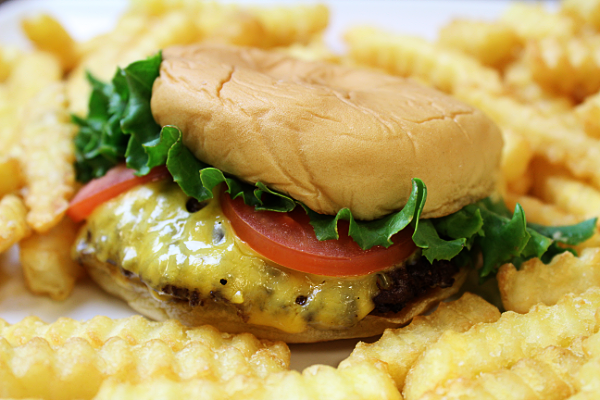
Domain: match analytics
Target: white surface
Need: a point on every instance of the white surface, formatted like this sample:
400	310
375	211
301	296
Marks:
84	19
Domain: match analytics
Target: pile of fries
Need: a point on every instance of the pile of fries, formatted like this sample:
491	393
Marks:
535	72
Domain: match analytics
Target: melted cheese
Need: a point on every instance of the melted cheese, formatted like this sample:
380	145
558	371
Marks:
149	232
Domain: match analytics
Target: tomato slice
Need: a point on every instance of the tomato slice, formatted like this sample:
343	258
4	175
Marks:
289	240
116	181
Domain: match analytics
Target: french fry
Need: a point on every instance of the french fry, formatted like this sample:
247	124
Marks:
516	155
264	27
587	11
519	81
405	55
361	381
135	38
47	34
539	212
11	178
138	330
547	375
284	26
47	263
47	158
31	73
13	224
548	136
588	113
9	118
400	348
571	195
492	43
494	346
150	26
568	67
28	74
534	22
76	369
536	282
8	59
175	27
101	56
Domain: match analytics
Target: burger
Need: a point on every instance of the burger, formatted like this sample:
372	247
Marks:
299	201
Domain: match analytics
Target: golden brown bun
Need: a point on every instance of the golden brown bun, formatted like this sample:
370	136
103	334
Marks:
330	136
225	317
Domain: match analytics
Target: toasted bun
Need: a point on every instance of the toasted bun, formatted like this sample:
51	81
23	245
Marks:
328	135
226	318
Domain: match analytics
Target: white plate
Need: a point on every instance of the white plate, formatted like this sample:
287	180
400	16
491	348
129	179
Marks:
84	19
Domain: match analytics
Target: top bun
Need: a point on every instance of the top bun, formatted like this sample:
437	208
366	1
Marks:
328	135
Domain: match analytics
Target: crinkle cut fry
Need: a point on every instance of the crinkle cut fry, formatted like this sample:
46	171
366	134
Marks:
587	11
568	67
400	348
492	44
493	346
47	157
76	369
137	330
405	55
522	289
548	375
363	381
13	223
548	137
534	21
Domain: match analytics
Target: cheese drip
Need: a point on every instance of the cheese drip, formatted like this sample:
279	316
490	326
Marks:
149	232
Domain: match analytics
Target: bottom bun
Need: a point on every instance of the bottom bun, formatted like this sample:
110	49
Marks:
225	316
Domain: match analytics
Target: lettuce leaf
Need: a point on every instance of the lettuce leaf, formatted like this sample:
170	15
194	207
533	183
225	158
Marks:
120	126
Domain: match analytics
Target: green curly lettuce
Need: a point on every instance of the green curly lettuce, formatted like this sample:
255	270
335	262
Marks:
120	126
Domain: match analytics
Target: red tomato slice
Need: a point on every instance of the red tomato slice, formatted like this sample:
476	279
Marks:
289	240
116	181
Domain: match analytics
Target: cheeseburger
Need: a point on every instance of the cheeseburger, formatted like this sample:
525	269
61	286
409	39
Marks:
300	201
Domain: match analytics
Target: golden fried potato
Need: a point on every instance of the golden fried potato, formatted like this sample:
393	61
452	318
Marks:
534	22
135	37
588	113
8	132
47	156
586	11
570	194
252	26
31	73
516	155
76	369
492	43
548	375
138	330
8	59
568	67
11	177
362	381
539	212
46	261
549	137
399	348
519	82
47	34
284	26
536	282
153	25
498	345
27	75
13	226
405	55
